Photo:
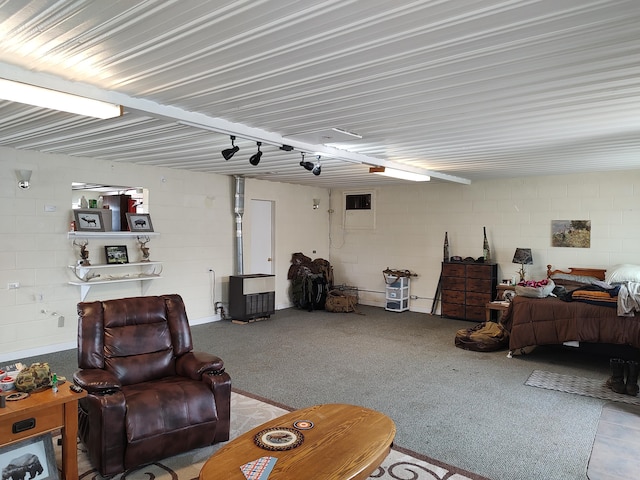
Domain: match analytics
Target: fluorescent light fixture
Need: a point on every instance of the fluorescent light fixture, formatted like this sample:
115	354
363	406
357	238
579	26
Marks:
346	132
55	100
401	174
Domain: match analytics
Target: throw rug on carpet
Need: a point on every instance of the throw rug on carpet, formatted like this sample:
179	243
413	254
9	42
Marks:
248	412
588	387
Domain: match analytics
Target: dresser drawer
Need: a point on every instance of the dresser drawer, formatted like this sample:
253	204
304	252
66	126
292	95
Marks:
453	283
453	296
479	271
453	310
46	420
477	299
453	270
479	285
477	314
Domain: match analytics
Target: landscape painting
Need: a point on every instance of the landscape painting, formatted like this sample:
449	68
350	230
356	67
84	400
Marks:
571	233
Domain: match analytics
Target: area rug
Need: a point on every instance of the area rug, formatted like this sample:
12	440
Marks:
249	411
588	387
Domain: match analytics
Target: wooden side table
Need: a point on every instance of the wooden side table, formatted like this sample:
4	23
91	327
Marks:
497	305
47	411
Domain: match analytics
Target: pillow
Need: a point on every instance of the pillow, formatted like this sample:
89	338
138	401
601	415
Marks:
544	289
623	273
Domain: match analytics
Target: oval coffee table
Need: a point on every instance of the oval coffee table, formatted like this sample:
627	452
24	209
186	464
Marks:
345	442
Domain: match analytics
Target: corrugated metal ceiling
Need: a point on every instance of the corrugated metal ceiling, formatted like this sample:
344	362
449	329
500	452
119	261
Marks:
466	89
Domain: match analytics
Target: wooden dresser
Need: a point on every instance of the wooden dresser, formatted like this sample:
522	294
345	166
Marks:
467	288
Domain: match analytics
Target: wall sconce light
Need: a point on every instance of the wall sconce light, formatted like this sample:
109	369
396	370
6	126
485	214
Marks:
255	158
24	178
316	203
55	100
401	174
227	153
307	165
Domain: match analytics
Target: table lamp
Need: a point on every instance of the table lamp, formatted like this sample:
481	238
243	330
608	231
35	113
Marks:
523	257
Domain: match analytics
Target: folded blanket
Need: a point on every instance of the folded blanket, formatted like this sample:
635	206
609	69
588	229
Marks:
596	295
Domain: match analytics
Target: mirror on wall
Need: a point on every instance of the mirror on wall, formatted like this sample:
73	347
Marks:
115	201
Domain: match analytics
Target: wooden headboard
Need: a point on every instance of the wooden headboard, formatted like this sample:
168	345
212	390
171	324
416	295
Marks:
588	272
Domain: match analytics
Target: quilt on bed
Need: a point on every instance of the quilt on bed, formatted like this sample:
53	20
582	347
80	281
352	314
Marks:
551	321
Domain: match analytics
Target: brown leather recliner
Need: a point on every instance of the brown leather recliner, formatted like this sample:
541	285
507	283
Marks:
149	395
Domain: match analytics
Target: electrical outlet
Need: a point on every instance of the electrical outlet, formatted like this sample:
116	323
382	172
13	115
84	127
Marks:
13	285
60	321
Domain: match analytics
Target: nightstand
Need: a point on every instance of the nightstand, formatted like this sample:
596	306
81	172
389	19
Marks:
498	305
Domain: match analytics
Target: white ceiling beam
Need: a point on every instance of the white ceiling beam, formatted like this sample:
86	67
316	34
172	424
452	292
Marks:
199	120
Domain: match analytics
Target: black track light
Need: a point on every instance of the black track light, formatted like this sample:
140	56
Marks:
255	158
306	165
230	152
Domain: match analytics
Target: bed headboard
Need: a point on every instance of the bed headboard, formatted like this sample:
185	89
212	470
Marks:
588	272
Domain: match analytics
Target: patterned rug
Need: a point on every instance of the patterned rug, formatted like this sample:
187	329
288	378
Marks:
588	387
247	412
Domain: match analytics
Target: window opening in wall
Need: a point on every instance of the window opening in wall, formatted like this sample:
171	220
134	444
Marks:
118	200
361	201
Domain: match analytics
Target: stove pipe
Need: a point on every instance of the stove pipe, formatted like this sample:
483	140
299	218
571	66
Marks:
238	209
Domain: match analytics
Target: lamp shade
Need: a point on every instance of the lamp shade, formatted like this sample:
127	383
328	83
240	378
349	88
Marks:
523	256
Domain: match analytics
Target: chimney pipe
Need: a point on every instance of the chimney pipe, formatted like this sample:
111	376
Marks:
238	209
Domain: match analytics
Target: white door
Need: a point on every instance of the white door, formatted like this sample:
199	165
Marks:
261	236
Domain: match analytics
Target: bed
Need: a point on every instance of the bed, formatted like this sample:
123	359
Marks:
551	321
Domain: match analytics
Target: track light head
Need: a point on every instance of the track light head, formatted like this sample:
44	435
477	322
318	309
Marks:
230	152
306	165
255	158
317	168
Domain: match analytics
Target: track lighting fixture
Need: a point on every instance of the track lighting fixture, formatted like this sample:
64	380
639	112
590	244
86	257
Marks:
230	152
317	167
255	158
307	165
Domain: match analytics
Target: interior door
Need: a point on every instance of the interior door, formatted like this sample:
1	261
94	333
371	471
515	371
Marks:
261	236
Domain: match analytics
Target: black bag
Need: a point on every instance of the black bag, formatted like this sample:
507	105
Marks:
484	337
309	291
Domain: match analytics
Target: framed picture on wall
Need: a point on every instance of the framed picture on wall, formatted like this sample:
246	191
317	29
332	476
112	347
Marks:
139	222
116	254
89	220
34	456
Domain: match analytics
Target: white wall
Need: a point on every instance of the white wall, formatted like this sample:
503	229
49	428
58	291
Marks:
193	212
411	221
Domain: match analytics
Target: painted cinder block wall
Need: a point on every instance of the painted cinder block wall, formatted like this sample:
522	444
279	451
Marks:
194	214
192	211
411	221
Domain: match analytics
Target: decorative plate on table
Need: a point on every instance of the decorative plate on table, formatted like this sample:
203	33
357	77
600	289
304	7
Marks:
278	438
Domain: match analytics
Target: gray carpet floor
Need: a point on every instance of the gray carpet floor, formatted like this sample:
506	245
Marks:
469	409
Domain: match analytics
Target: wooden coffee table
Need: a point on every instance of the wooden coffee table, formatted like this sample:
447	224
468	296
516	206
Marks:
346	442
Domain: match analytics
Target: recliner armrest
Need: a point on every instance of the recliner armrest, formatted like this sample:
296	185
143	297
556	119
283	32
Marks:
194	364
97	381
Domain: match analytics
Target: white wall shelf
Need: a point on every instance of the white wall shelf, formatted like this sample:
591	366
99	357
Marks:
111	234
145	271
